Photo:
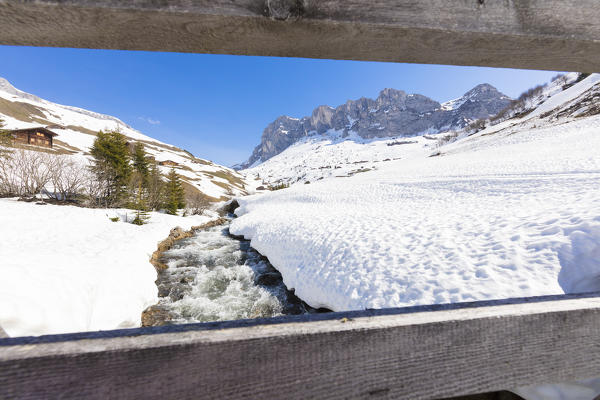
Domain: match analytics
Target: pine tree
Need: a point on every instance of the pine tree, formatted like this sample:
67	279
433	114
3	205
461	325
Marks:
141	214
174	193
139	182
140	162
111	166
5	140
156	187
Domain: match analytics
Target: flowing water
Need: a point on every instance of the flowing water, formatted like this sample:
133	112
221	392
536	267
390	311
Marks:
213	276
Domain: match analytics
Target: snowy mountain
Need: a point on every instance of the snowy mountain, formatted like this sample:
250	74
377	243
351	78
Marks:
567	98
393	114
77	129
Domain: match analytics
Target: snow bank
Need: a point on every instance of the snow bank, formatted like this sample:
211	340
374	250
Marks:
583	390
580	259
493	217
70	269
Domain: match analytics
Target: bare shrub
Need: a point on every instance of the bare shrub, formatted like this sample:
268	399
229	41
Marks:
197	203
94	191
559	79
25	173
9	180
449	137
279	186
67	178
522	105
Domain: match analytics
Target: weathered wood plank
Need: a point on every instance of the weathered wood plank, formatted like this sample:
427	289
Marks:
402	353
538	34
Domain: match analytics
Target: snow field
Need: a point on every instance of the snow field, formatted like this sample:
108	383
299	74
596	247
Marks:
493	217
70	269
316	158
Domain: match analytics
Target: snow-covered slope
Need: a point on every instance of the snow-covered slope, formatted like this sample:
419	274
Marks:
332	156
71	269
511	211
77	128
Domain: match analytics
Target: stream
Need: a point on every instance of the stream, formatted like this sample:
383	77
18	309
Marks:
213	276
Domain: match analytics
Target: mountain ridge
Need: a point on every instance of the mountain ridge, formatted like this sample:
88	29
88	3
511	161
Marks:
393	113
568	98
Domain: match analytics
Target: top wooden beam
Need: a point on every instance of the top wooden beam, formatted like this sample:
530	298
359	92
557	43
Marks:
533	34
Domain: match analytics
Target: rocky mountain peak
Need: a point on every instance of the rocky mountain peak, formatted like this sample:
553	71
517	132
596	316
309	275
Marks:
321	118
7	87
391	96
484	90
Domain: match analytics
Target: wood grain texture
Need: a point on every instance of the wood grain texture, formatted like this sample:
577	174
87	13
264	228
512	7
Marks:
402	353
538	34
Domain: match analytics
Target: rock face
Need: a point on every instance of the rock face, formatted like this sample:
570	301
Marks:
393	113
156	315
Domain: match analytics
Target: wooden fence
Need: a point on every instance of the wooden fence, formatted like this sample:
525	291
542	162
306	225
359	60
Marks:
411	353
538	34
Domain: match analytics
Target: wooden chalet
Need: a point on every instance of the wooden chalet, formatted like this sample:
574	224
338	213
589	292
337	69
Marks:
38	136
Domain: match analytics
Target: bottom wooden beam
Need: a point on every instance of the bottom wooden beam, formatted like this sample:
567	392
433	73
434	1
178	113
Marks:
411	353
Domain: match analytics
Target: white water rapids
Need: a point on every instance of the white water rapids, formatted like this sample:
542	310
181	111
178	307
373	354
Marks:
214	277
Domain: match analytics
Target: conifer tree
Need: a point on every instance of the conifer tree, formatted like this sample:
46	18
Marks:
174	193
5	140
111	166
140	162
156	187
141	209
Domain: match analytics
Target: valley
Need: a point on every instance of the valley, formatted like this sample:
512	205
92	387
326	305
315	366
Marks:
499	203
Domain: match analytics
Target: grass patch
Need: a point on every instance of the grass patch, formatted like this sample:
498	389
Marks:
23	111
191	191
222	185
81	129
65	147
229	177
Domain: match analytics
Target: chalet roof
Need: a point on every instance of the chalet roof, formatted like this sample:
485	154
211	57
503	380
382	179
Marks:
37	129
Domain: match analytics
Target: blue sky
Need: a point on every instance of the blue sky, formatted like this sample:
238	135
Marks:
217	106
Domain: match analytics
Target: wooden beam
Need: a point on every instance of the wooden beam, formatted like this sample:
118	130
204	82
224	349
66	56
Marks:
412	353
536	34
